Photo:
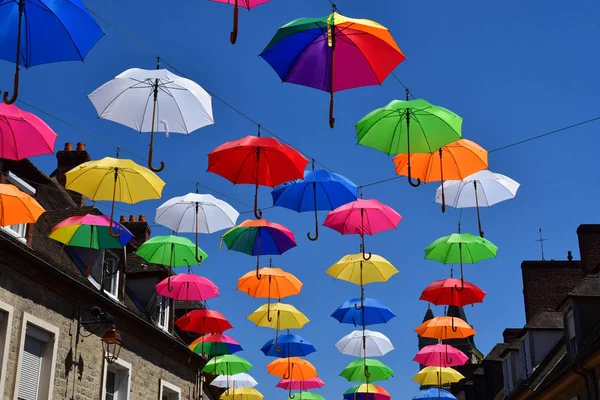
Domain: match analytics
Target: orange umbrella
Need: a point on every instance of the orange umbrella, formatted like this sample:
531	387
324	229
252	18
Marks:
292	368
455	161
17	207
443	328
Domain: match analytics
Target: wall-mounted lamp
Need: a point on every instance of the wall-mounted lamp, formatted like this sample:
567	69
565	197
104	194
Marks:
111	344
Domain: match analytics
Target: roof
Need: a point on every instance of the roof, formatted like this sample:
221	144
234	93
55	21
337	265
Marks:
588	287
546	320
494	354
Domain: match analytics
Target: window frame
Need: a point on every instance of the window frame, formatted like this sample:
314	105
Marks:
5	336
118	366
571	336
165	326
116	276
165	384
15	180
46	387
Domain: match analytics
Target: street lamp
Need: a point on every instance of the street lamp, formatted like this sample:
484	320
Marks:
111	344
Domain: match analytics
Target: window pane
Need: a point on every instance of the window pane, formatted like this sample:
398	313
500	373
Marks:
110	385
111	276
19	229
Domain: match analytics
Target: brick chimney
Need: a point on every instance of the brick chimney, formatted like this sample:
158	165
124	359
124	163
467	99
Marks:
138	227
589	246
68	159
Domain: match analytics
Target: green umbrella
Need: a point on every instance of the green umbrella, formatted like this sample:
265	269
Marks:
174	251
406	127
228	364
367	370
460	248
308	396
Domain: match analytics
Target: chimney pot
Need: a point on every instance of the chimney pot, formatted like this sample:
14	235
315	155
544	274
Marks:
80	146
123	219
569	255
132	218
68	146
142	218
68	159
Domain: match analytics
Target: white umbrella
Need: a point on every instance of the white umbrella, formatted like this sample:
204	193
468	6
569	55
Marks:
359	342
236	381
179	105
481	189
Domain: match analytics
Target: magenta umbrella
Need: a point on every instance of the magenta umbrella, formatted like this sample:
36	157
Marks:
243	3
313	383
188	287
23	135
440	355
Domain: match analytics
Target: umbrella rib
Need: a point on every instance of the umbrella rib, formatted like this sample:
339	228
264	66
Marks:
300	54
116	97
178	109
68	34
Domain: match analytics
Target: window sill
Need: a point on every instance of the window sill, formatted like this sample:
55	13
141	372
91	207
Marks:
107	293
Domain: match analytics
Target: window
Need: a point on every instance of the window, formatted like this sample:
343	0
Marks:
572	339
163	313
104	271
36	363
6	313
507	377
117	380
168	391
19	231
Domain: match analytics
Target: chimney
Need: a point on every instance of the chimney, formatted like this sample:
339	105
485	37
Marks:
68	159
138	227
569	255
510	334
589	246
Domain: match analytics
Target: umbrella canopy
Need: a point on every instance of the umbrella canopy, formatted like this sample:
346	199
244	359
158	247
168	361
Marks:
283	316
179	105
171	250
437	376
444	292
333	53
23	135
352	268
366	391
237	381
365	343
18	207
440	355
308	396
227	364
248	4
444	328
357	371
215	344
374	312
276	285
312	383
203	322
293	346
90	231
187	287
434	394
43	32
257	160
293	368
246	393
481	189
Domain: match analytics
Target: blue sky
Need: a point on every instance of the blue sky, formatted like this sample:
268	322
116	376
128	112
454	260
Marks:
511	70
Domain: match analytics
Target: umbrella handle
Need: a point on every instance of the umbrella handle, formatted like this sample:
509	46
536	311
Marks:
448	360
15	86
364	255
417	184
234	32
331	118
454	328
290	395
313	238
367	374
198	258
257	212
17	68
477	206
269	318
314	186
162	164
112	209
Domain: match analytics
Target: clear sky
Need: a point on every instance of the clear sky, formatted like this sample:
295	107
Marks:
512	70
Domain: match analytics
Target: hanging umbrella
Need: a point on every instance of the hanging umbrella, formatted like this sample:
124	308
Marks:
179	105
242	394
362	217
444	292
456	160
285	316
407	127
437	376
293	346
369	371
243	3
215	344
307	384
365	343
333	53
308	396
92	232
366	391
227	364
43	32
372	312
237	381
258	161
203	322
23	135
434	394
444	328
114	179
187	287
17	207
259	237
441	355
460	248
481	189
293	368
319	190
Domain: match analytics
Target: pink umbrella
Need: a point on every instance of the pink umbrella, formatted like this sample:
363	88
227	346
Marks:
440	355
313	383
362	217
243	3
188	287
23	135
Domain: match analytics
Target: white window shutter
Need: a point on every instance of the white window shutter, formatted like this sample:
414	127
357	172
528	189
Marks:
31	365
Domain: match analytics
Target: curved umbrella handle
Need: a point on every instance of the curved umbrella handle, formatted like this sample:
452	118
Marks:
234	32
290	395
162	164
314	187
288	374
313	238
331	118
257	212
198	258
18	57
448	360
367	374
112	209
269	318
454	327
462	285
364	255
417	184
357	307
15	89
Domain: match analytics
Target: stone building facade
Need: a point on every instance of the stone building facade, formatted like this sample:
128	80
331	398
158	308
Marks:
44	294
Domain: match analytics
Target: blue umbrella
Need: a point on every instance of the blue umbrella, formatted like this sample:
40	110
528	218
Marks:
318	191
374	311
54	30
293	346
434	394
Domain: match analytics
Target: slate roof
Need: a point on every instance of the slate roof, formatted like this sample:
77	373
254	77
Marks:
588	287
546	320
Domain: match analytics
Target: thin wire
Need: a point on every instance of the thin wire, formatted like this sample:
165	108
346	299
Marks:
410	93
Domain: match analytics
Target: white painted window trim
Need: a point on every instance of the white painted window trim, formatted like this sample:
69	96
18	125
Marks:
54	331
9	310
123	364
117	276
167	311
168	385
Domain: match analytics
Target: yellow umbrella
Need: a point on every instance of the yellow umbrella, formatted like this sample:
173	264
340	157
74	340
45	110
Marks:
437	376
242	394
278	316
114	179
17	207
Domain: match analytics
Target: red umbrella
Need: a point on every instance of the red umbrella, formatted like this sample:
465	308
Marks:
259	161
444	292
203	321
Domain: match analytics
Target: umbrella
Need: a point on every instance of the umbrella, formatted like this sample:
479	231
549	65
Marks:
43	32
333	53
362	217
292	368
215	344
444	292
90	231
372	312
187	287
227	364
434	394
257	160
308	396
440	355
456	160
437	376
312	383
203	322
244	3
237	381
319	190
460	248
367	371
286	317
444	328
389	129
18	207
114	179
199	213
366	391
481	189
365	343
259	237
23	135
180	105
242	394
293	346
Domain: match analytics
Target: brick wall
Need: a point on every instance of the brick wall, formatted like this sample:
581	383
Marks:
589	245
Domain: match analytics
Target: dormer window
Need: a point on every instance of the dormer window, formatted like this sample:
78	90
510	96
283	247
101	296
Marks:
105	273
19	231
572	339
164	309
